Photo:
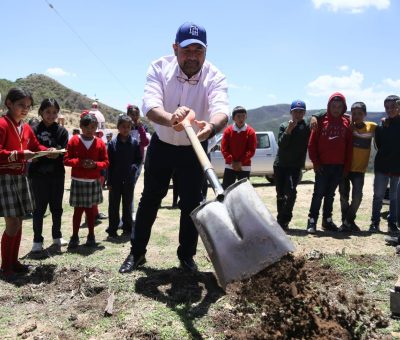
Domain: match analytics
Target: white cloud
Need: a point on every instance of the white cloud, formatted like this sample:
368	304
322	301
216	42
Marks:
343	68
59	72
352	86
352	6
392	83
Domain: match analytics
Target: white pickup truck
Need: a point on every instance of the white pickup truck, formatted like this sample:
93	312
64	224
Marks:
262	164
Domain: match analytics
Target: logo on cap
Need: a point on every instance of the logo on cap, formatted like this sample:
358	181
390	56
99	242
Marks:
194	30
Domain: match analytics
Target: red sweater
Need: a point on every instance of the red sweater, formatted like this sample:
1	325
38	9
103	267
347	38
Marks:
239	146
331	142
13	144
76	152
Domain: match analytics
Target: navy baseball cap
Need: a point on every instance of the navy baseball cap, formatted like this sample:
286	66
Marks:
190	33
298	105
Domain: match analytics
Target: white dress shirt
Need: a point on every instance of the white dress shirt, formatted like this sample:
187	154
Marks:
208	97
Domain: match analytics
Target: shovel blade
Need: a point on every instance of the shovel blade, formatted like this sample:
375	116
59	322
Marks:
240	234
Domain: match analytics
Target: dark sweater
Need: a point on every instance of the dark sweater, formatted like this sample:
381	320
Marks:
387	141
124	158
54	136
293	147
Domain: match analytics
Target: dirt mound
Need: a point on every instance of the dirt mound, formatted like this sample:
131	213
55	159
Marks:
296	298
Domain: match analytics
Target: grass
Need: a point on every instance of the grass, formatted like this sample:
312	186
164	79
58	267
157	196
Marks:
159	301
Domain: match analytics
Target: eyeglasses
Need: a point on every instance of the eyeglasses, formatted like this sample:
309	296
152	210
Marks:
189	81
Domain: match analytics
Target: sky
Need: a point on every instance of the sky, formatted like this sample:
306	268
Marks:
271	51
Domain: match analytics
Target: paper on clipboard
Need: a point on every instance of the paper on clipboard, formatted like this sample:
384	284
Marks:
45	153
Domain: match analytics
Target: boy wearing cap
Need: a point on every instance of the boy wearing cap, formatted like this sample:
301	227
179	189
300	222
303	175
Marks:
363	132
387	166
238	146
176	85
330	150
292	141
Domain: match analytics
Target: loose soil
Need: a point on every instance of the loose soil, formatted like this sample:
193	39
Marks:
294	299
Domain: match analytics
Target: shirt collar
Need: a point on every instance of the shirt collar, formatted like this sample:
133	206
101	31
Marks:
236	128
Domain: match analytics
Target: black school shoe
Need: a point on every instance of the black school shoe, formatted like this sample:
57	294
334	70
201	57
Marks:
374	228
91	241
328	225
392	228
131	263
189	265
73	242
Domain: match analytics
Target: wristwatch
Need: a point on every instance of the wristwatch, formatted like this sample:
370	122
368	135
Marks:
213	131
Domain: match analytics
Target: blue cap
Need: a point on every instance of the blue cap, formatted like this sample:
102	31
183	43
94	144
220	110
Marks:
298	105
190	33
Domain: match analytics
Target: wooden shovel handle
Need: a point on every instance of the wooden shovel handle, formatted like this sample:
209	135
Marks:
198	148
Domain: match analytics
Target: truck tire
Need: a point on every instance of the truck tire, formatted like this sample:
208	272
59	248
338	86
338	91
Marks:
270	179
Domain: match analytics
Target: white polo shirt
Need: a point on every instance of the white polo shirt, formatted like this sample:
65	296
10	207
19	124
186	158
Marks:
208	97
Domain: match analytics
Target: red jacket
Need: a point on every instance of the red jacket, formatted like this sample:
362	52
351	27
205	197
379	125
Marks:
13	144
76	152
331	142
239	146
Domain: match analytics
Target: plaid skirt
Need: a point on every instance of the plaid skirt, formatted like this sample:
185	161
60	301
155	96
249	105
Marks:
85	194
16	196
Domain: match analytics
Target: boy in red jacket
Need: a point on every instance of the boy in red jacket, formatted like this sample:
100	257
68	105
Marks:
330	150
238	146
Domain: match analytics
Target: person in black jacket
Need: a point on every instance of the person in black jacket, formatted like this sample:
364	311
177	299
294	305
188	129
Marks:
292	141
47	174
125	157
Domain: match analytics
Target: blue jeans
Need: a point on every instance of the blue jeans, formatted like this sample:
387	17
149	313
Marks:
349	211
326	181
381	182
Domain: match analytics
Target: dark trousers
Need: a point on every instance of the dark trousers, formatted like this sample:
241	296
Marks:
47	191
162	160
327	179
120	191
286	180
349	210
230	177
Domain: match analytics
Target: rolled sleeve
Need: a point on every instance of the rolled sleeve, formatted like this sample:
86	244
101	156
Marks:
218	96
153	90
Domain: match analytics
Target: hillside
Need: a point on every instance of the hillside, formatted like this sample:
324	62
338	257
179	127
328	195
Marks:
270	117
72	102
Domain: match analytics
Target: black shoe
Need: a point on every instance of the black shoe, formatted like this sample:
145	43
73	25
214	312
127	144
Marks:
311	226
101	216
345	228
73	242
354	227
328	225
20	268
374	228
392	228
91	241
131	263
189	265
112	234
392	240
175	205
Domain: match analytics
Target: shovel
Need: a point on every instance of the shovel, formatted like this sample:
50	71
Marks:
239	233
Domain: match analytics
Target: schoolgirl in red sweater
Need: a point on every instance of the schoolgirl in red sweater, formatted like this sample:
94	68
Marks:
87	155
18	144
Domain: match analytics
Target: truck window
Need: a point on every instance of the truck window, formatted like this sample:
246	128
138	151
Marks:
263	142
